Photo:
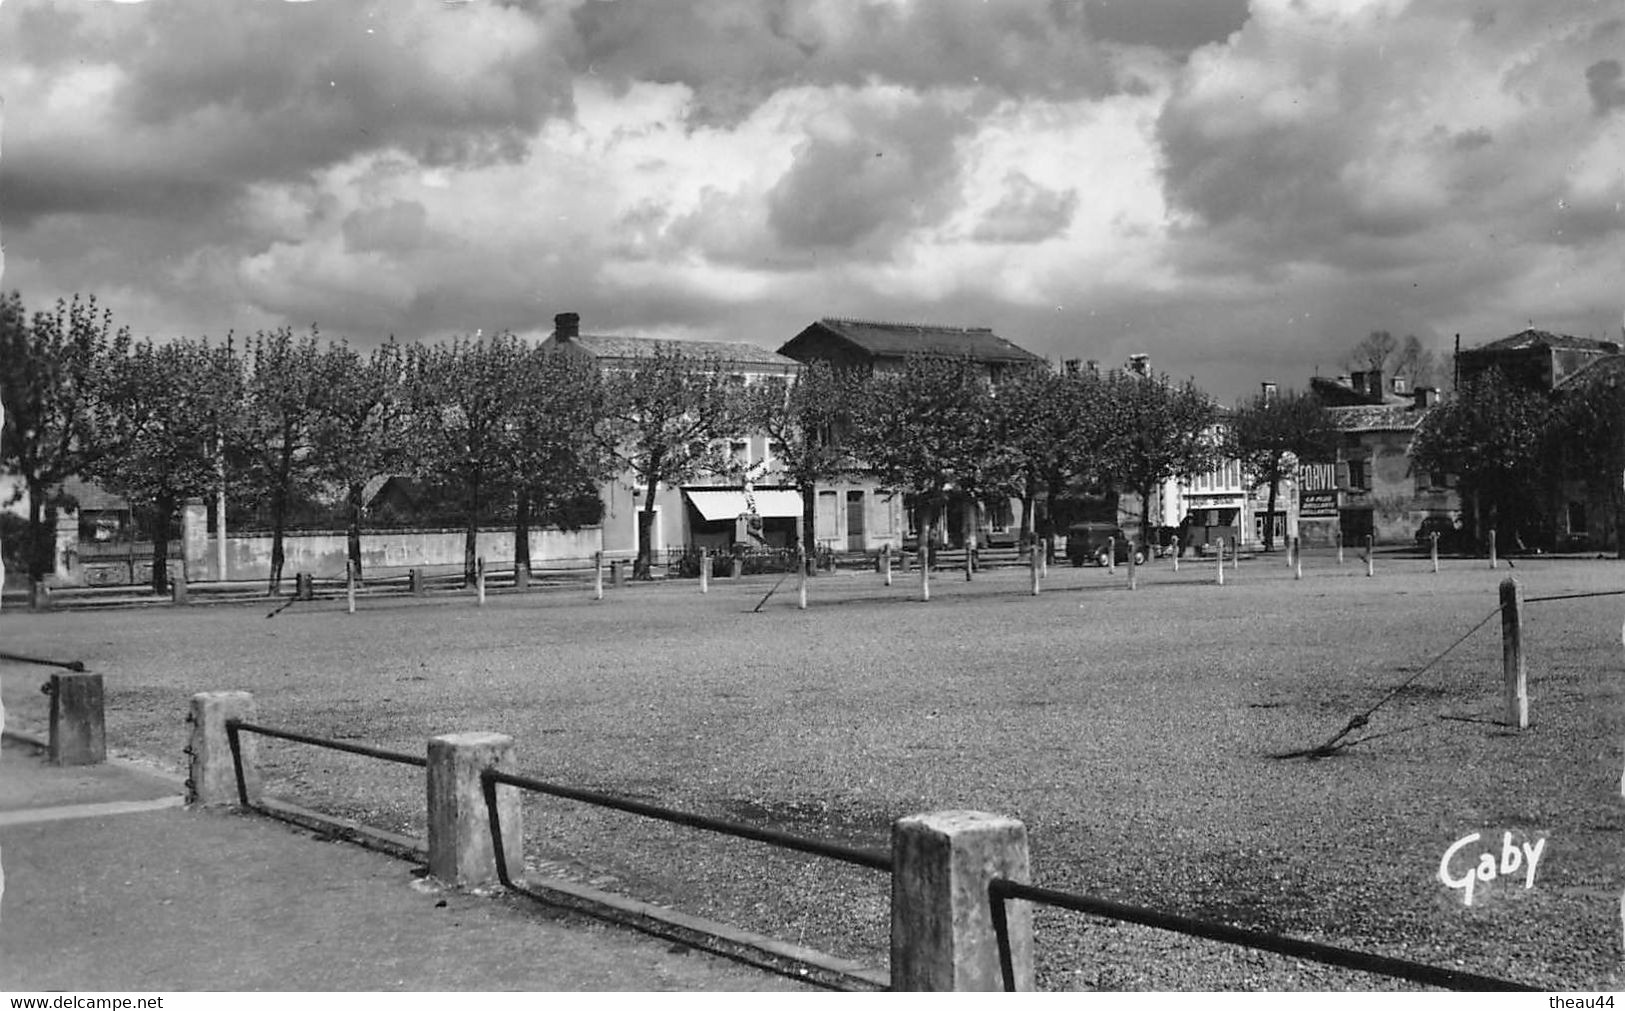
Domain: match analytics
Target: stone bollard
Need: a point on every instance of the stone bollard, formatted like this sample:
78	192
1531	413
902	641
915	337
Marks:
479	580
885	564
461	851
970	562
39	596
801	584
304	586
78	727
349	585
212	775
942	936
1111	555
925	577
598	575
617	573
414	581
705	570
1035	558
1433	549
1493	564
1339	547
1133	566
736	567
1220	543
521	575
1370	556
177	589
1175	544
1514	677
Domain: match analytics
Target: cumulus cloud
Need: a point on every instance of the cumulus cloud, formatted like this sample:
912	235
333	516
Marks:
1027	212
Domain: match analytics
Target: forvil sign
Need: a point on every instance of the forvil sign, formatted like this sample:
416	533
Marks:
1460	870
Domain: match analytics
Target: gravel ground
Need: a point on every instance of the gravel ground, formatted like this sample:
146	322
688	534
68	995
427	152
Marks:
1132	731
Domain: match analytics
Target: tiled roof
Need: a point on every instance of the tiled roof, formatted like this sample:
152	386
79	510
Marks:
895	340
1541	338
732	352
1377	417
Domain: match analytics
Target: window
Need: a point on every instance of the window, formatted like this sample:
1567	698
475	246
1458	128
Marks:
1357	474
740	453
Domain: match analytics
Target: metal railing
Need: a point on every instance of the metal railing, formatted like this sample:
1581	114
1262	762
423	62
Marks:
1000	891
234	728
874	859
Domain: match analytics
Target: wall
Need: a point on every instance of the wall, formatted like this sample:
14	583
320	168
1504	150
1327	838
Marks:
383	553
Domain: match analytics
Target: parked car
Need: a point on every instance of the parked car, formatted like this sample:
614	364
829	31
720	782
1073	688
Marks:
1444	526
1088	541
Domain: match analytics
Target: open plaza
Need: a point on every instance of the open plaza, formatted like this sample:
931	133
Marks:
1137	734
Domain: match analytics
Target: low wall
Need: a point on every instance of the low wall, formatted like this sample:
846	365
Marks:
392	552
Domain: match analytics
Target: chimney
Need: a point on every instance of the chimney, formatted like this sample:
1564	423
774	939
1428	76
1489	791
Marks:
1094	367
1071	366
1269	392
1425	397
1359	381
566	327
1373	385
1140	364
1399	386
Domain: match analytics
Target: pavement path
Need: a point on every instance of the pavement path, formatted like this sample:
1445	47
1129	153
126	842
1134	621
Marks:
112	884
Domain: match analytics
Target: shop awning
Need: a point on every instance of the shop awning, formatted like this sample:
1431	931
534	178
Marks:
728	503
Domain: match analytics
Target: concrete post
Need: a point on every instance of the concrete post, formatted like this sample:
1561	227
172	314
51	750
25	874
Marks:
414	581
304	586
617	573
598	575
1034	561
970	560
461	851
521	575
349	585
1133	567
1370	556
39	595
1176	554
736	567
1493	564
705	570
925	578
212	776
177	589
78	729
801	583
479	580
1340	546
1220	543
1514	677
942	922
885	564
1433	549
1111	555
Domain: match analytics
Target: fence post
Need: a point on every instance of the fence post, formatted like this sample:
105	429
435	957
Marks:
78	727
211	774
1515	685
705	570
1034	561
521	575
1133	578
970	561
942	936
925	574
1220	543
1370	556
885	564
349	583
1340	546
617	572
736	567
461	851
1175	543
801	582
1111	556
414	581
1493	564
177	589
479	580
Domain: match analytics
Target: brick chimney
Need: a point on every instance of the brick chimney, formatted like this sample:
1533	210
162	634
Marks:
1358	379
1140	364
1373	385
1269	392
1424	397
566	327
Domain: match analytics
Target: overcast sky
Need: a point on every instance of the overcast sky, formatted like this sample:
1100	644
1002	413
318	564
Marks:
1241	190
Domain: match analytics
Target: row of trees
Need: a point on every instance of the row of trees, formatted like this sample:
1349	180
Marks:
280	418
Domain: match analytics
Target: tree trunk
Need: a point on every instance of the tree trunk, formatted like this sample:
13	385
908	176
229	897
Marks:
354	533
521	531
1145	515
1269	513
160	545
37	552
278	507
646	523
809	532
471	535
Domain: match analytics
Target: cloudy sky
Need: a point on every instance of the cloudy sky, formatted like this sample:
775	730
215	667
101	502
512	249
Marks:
1242	190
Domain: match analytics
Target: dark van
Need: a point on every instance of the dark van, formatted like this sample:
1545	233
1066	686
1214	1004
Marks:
1088	542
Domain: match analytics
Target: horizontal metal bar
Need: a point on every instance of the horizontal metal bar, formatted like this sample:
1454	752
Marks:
421	761
1326	954
875	859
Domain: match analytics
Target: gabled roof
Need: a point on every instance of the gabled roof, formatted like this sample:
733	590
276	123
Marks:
1377	417
1532	338
728	352
898	340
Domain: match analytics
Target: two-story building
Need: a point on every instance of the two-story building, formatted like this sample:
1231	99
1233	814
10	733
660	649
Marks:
858	514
